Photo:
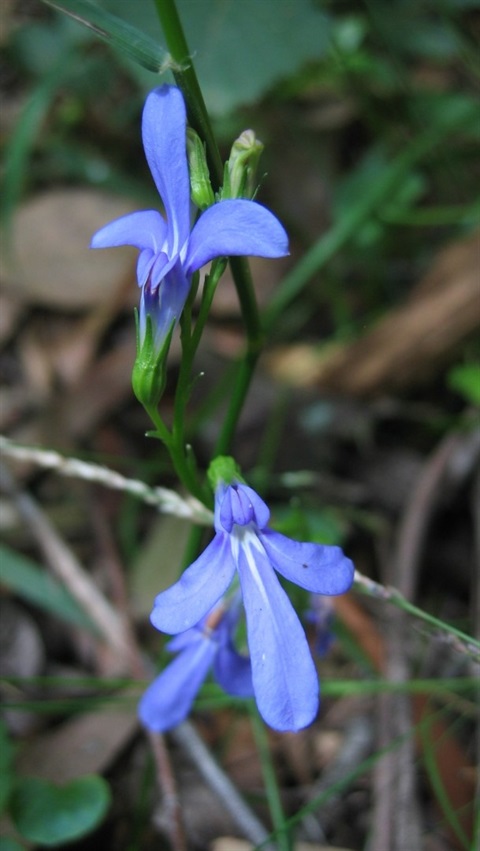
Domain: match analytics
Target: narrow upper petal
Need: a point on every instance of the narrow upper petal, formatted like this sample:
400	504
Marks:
167	701
144	264
321	569
239	504
144	229
165	142
198	589
284	676
235	227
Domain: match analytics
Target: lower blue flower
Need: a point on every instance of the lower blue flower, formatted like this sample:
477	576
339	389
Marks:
284	677
168	700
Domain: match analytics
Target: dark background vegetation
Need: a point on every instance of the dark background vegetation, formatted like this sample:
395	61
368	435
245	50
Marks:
361	426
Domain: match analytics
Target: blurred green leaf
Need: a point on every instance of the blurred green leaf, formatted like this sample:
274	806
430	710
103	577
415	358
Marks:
241	49
465	379
33	584
51	815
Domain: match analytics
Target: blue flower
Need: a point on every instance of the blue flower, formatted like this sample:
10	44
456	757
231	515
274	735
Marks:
167	701
284	675
170	251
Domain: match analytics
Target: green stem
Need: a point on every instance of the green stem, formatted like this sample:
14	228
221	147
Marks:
186	79
242	381
184	469
461	641
271	786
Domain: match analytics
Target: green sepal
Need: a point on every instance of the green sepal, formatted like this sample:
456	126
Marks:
201	191
149	372
223	470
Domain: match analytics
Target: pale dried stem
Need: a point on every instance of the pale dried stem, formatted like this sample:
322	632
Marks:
355	748
189	740
167	501
68	569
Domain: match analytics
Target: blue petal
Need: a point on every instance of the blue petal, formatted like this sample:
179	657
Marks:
145	261
198	589
284	676
167	701
161	265
184	639
165	303
321	569
233	672
241	505
235	227
165	143
144	229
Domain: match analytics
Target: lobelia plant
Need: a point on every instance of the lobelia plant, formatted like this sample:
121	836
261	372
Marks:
245	552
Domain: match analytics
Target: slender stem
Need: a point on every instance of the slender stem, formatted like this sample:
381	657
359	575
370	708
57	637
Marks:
248	302
209	288
183	465
187	737
242	381
271	785
186	79
460	640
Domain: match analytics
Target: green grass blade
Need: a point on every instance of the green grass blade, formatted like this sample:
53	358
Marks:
24	135
35	585
118	33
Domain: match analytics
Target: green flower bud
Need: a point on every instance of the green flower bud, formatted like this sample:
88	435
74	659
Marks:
200	187
242	165
150	367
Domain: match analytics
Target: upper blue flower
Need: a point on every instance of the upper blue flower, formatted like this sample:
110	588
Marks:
284	675
168	700
170	251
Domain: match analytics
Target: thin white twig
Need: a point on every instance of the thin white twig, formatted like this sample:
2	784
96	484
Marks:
68	569
167	501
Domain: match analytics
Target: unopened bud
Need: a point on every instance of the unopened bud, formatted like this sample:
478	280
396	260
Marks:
242	165
200	187
150	367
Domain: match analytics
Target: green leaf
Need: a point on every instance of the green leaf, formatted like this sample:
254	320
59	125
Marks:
32	583
465	379
117	32
241	48
50	815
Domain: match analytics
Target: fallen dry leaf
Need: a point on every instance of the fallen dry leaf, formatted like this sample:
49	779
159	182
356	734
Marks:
47	261
407	344
87	744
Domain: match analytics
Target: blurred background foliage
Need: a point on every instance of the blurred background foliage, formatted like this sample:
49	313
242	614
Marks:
342	89
369	113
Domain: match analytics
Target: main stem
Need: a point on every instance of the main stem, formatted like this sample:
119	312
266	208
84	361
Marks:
186	79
